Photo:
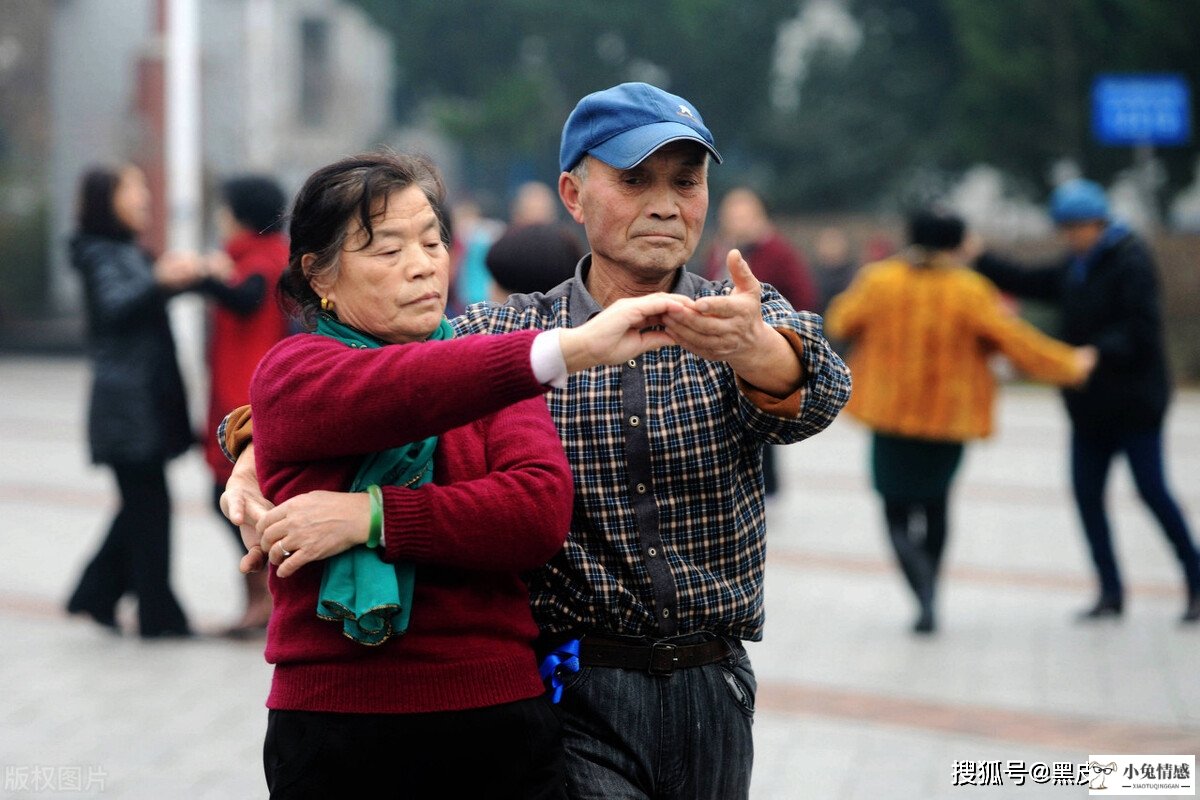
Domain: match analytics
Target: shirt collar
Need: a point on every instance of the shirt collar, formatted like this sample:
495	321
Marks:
583	306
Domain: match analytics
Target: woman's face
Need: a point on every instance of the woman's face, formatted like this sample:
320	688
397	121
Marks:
131	199
395	288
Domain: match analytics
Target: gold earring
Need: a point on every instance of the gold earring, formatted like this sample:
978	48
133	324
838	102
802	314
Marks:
326	305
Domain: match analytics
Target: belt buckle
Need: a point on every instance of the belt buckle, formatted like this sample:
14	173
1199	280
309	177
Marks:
662	653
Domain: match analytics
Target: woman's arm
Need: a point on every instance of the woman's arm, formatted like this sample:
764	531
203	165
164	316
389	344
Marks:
847	311
514	517
121	284
316	398
1030	350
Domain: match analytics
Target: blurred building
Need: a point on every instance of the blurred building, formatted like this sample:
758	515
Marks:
286	86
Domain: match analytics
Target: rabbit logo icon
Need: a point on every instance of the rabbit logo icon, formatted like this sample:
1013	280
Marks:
1100	773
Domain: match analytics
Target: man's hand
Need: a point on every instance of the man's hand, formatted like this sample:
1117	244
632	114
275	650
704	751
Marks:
620	332
1086	358
243	504
313	526
731	329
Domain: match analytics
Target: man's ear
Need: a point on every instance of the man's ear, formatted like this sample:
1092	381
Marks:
568	192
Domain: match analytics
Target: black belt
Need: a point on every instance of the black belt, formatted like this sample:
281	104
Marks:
656	656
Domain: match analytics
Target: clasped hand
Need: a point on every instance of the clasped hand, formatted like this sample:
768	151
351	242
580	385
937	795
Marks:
728	328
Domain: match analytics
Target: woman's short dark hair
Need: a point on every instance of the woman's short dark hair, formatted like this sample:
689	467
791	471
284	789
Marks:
256	202
936	230
333	197
96	214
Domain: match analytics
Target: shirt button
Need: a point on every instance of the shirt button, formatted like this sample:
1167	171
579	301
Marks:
633	363
666	613
635	421
652	551
641	488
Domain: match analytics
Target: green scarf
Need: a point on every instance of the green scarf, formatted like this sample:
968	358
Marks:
373	599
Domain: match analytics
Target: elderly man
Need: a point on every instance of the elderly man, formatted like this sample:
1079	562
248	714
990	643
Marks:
661	579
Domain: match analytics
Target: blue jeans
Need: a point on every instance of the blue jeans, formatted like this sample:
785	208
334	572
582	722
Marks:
630	735
1091	457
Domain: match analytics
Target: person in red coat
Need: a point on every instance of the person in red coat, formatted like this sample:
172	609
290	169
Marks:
246	323
744	224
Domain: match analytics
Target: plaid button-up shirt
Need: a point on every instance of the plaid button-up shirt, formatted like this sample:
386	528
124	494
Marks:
668	533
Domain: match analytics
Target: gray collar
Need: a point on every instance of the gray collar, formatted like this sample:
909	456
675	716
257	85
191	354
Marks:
583	306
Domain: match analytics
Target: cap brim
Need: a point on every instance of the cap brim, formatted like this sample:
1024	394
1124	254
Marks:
631	148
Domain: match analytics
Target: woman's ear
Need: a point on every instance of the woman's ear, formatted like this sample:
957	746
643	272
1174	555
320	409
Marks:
319	283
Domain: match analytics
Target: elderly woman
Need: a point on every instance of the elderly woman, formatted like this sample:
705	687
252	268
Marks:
137	417
923	328
404	653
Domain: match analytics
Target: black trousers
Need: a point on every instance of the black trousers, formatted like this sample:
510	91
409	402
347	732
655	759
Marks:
499	752
1091	458
917	530
135	556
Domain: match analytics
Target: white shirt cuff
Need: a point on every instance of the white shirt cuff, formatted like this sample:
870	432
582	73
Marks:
546	358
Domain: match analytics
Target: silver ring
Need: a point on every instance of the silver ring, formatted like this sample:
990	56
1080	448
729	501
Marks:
286	552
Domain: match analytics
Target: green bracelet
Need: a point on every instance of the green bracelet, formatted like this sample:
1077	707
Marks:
376	515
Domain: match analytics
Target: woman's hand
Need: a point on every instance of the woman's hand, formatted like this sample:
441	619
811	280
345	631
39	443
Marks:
624	330
312	527
177	270
217	265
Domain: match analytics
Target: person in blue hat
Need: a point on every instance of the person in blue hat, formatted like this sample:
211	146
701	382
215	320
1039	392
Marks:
644	611
1107	288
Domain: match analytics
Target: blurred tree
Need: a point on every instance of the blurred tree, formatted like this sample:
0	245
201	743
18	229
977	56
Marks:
1023	97
501	77
821	104
866	119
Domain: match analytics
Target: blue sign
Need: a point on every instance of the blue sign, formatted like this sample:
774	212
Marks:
1142	110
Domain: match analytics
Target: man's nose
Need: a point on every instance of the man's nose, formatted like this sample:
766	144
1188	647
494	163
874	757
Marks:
661	203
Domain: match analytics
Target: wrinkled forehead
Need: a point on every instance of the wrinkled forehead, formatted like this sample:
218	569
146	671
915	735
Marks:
392	212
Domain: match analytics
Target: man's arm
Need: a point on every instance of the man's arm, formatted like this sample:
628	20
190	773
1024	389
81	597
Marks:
514	517
243	504
1039	282
783	399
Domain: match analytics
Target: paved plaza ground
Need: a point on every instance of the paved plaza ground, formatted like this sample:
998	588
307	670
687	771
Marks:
851	706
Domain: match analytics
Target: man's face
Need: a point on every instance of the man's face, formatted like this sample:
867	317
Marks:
646	220
742	219
1081	236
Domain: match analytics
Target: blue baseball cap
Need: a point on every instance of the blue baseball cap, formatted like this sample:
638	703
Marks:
624	124
1078	200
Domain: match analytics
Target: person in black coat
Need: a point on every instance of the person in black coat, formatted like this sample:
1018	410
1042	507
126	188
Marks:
1107	289
137	419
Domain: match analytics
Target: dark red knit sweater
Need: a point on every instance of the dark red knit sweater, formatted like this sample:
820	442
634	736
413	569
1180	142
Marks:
500	503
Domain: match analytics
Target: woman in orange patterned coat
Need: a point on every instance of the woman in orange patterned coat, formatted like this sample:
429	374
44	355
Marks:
923	327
